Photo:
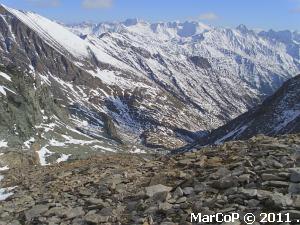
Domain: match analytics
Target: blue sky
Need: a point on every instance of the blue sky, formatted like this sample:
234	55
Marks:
265	14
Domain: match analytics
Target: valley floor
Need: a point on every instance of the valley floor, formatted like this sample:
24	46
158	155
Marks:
258	175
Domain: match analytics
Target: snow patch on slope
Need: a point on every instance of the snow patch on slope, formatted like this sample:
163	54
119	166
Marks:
29	142
4	168
3	144
232	133
63	158
287	117
43	153
5	193
5	76
2	90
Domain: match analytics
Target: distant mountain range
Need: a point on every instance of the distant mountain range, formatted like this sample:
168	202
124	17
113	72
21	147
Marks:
130	86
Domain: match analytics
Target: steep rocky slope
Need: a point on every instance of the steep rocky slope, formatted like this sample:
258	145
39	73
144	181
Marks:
45	51
258	175
33	118
278	114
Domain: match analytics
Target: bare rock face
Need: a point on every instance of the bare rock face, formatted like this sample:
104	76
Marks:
201	62
243	176
23	106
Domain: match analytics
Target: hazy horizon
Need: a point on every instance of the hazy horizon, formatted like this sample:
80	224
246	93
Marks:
254	14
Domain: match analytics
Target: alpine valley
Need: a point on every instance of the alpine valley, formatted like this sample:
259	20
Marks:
68	91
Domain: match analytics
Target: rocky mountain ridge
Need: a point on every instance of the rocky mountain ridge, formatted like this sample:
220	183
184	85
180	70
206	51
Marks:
241	45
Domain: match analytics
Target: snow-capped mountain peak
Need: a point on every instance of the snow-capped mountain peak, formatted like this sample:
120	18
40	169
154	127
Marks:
242	28
171	29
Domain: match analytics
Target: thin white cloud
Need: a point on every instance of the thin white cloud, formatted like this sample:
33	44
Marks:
45	3
208	16
97	4
295	10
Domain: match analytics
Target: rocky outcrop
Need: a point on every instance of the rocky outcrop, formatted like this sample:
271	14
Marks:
258	175
201	62
23	106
